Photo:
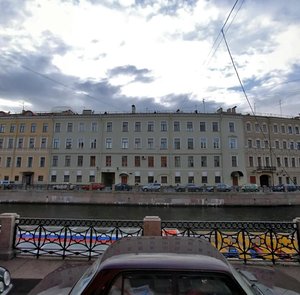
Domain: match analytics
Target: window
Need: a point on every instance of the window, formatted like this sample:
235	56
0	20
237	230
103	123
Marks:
20	143
190	143
202	126
93	143
177	143
57	127
231	127
8	162
1	143
137	179
163	126
29	162
264	128
177	179
68	143
45	127
70	127
92	161
267	159
177	162
286	162
94	127
290	130
296	130
108	143
259	162
125	127
137	127
284	145
257	128
293	160
248	127
56	143
275	128
150	143
204	179
137	161
108	161
163	144
203	143
216	161
189	126
282	129
80	143
54	161
18	162
150	127
79	161
2	128
232	143
67	161
12	128
258	143
10	143
137	143
43	142
42	161
163	161
150	161
109	127
176	126
92	178
249	143
277	146
33	128
53	178
266	143
78	178
215	126
124	161
164	179
22	128
203	161
234	161
217	179
216	143
81	127
292	145
251	162
66	178
31	143
191	179
278	160
124	143
190	161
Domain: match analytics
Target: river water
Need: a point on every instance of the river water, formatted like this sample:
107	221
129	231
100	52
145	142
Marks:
115	212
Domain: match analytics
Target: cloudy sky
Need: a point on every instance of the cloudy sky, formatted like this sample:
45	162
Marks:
161	55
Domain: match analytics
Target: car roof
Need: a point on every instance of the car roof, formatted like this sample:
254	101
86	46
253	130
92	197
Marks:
168	252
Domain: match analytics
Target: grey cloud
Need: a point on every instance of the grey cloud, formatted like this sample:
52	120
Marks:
139	75
11	10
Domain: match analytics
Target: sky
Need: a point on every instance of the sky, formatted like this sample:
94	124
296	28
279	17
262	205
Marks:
159	55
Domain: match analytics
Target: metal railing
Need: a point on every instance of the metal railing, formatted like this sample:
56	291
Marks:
273	242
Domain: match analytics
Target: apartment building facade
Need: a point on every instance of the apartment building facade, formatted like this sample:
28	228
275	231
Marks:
137	148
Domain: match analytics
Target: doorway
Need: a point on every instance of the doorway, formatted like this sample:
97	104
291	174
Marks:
264	180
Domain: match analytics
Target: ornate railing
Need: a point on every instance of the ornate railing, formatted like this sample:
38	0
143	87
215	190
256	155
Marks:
70	238
273	242
260	241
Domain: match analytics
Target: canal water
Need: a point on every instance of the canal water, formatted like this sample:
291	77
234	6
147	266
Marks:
74	211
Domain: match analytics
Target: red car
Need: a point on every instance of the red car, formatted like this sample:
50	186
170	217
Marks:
94	186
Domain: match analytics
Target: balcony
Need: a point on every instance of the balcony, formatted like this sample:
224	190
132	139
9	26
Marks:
266	168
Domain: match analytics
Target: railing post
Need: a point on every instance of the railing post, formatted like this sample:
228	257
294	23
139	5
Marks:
297	221
7	231
152	226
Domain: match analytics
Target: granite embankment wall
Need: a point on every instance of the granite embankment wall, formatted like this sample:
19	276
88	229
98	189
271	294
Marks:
151	198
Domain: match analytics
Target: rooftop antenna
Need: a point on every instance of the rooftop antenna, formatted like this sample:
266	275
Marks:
280	107
203	105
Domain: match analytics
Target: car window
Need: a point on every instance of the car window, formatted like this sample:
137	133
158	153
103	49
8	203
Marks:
168	284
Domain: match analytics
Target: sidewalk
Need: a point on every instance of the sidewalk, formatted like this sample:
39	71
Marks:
283	276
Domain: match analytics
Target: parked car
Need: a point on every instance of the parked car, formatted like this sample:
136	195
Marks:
123	187
64	186
250	187
6	184
5	281
159	265
151	187
223	187
284	187
190	187
94	186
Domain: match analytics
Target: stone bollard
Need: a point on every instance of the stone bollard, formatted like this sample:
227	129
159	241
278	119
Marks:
152	226
7	221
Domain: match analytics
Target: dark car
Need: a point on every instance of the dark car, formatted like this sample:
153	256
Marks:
223	187
190	187
160	265
5	281
123	187
94	186
284	188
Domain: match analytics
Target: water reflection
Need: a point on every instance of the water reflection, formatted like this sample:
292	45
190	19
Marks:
278	213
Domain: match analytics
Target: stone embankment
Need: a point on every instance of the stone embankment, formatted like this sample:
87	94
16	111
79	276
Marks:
151	198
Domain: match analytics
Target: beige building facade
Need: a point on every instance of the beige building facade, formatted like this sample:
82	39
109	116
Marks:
139	148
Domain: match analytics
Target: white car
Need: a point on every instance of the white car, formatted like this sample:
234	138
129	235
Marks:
151	187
